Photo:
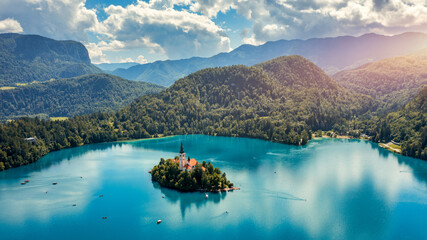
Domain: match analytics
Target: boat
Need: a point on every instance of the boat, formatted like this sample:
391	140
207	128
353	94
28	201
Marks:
163	196
23	183
207	196
54	183
27	181
74	205
159	221
104	217
101	195
149	171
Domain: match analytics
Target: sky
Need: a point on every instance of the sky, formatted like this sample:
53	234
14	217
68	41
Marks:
147	31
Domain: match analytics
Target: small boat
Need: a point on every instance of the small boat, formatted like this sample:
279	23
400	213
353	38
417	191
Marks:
207	196
149	171
27	181
74	205
54	183
104	217
101	195
23	183
163	196
159	221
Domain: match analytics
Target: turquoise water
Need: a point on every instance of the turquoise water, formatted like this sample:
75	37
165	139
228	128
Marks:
329	189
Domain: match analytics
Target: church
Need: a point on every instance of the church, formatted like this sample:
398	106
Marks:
186	164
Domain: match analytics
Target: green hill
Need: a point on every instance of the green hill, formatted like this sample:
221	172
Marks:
28	58
406	126
282	100
394	81
72	96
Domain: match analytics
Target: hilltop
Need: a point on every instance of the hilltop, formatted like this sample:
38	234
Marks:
393	81
28	58
330	54
279	100
72	96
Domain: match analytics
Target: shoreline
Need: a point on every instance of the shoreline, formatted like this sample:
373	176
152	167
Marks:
169	136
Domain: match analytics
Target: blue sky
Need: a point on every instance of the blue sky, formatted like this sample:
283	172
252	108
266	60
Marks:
146	31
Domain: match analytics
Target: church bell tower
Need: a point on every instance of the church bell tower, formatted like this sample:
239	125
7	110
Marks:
181	158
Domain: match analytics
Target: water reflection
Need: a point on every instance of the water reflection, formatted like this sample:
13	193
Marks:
328	189
187	201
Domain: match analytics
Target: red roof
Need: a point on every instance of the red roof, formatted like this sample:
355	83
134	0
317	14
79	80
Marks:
193	162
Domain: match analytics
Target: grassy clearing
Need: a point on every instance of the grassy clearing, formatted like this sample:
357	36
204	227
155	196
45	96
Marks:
391	147
58	118
7	88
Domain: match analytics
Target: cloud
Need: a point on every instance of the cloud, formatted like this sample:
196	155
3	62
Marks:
156	25
140	59
278	19
96	54
10	25
59	19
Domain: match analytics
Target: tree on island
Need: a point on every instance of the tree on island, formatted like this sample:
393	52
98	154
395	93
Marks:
203	177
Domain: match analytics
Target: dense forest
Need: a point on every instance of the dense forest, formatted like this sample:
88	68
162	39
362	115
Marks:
72	96
231	101
393	82
28	58
204	176
407	126
283	100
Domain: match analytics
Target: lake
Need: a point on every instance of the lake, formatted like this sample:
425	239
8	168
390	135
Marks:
328	189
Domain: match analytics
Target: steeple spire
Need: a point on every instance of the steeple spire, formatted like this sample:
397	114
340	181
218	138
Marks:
182	149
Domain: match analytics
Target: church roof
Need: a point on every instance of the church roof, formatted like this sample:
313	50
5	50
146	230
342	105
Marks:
192	162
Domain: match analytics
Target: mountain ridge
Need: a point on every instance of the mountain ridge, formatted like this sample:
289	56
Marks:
331	54
28	58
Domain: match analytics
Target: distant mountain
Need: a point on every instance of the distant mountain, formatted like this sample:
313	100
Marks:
110	67
69	97
331	54
393	81
28	58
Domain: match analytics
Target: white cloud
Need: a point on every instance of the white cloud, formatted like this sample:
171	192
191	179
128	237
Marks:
10	25
126	60
95	53
277	19
141	60
157	26
59	19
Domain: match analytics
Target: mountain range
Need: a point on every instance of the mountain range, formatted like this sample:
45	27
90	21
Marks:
330	54
110	67
28	58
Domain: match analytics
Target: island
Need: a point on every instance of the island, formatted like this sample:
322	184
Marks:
188	175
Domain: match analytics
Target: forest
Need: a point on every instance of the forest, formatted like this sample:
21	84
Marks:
72	96
393	81
283	100
204	176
